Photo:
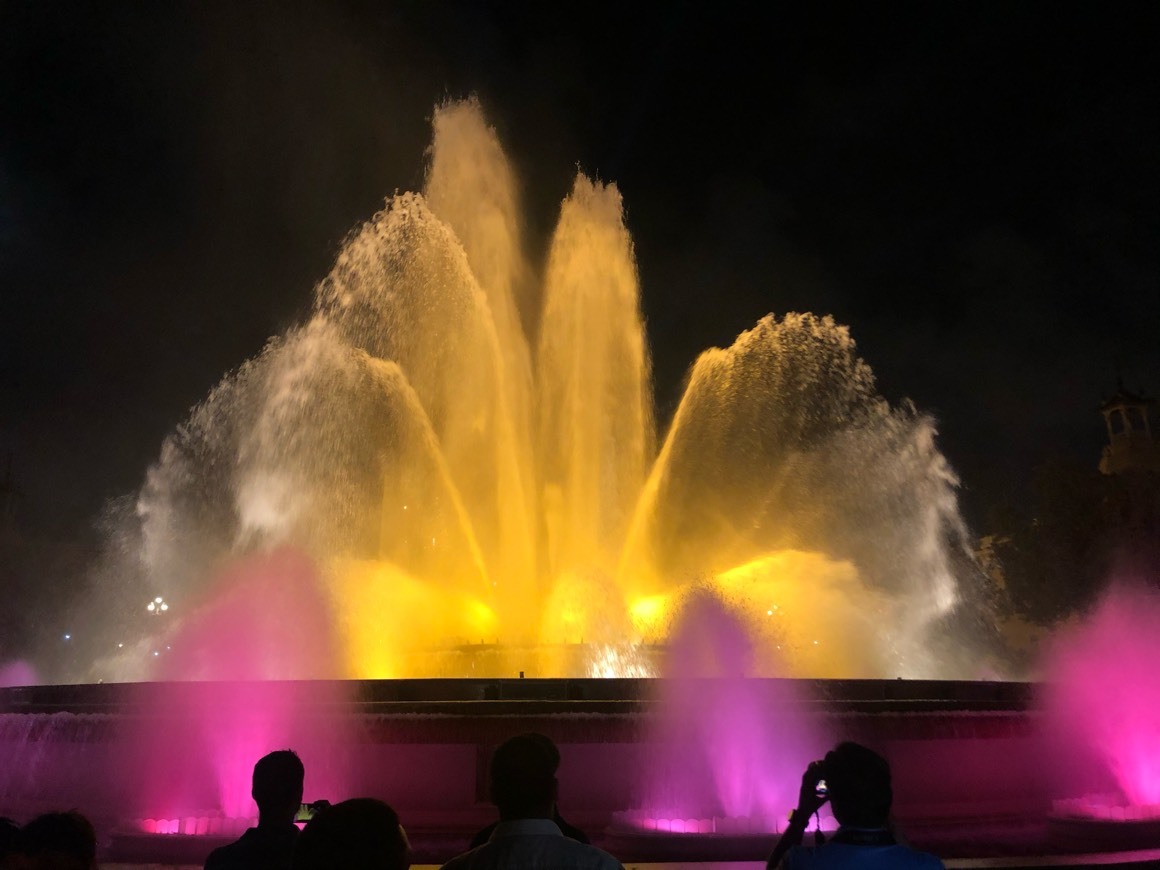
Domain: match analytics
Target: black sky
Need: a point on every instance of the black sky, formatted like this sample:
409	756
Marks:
971	187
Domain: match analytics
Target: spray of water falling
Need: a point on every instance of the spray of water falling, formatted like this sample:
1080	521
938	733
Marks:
479	500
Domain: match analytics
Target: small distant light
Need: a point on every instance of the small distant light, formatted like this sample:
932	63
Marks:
432	542
156	653
769	613
815	643
164	606
404	507
68	637
158	599
151	607
120	646
169	647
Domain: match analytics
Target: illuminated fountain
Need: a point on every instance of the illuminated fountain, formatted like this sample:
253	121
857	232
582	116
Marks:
407	485
480	503
1102	697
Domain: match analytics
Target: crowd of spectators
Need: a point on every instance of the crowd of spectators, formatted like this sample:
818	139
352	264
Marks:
366	834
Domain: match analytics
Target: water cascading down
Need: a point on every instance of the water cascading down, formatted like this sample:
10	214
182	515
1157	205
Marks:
480	497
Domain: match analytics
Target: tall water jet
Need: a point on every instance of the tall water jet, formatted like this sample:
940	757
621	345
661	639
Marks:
472	187
595	427
478	509
727	747
781	449
1102	694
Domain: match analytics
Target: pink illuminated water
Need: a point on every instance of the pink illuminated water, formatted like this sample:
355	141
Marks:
1103	688
266	618
17	673
265	631
729	747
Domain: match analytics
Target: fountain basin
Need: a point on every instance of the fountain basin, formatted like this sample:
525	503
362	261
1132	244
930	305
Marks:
423	745
1101	821
964	757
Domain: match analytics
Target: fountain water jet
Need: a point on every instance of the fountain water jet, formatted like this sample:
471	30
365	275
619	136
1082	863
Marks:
435	497
1102	692
726	746
1101	699
404	439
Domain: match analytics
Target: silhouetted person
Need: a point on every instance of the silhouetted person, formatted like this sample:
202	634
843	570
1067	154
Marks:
11	848
59	841
277	790
524	789
361	833
859	790
568	830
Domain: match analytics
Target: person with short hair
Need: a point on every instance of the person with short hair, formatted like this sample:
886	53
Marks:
571	831
59	841
361	833
859	789
277	790
11	845
524	789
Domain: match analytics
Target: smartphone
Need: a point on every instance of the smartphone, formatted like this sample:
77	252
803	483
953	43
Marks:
821	790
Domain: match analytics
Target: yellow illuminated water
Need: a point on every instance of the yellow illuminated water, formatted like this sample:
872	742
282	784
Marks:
464	438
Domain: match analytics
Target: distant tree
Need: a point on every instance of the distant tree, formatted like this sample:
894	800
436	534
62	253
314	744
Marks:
1083	528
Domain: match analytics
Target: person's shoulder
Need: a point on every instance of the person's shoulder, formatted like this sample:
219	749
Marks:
464	859
225	857
591	856
834	855
925	860
238	854
912	859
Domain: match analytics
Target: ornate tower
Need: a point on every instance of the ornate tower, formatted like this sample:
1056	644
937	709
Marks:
1132	444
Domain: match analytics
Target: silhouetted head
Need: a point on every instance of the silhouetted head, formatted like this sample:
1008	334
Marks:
362	832
10	842
277	787
858	780
523	777
60	841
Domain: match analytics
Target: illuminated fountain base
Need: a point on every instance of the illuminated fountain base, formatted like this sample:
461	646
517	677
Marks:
969	781
1098	822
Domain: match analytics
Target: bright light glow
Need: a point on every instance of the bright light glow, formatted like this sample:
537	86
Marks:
534	459
1102	687
647	613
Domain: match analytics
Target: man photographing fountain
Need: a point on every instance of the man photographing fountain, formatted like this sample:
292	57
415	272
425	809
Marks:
277	790
857	785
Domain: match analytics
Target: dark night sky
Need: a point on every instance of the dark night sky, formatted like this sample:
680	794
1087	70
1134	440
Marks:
971	187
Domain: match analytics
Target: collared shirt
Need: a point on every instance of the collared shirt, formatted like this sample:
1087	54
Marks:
856	849
532	844
570	831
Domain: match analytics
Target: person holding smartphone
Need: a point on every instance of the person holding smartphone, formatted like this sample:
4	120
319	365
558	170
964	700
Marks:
277	790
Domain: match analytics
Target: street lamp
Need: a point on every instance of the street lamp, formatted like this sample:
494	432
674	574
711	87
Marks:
157	606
